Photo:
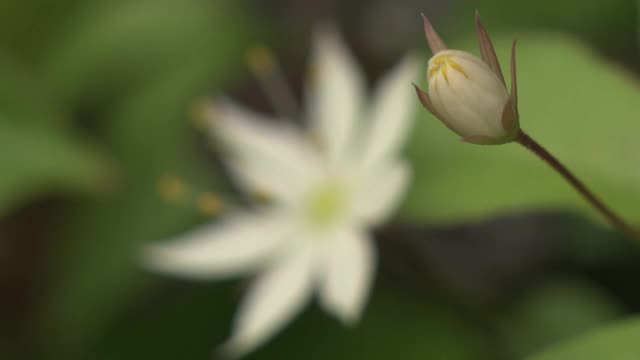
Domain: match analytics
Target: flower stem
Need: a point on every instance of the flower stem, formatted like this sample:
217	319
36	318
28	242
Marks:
615	220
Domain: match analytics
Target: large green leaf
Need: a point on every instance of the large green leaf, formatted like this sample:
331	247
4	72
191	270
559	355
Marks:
397	324
36	156
34	161
25	26
554	311
23	98
183	320
112	45
618	341
192	322
582	109
595	20
99	274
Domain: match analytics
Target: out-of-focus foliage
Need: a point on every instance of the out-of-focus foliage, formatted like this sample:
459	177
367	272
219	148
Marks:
554	311
111	45
587	19
34	161
430	329
37	157
618	341
136	66
570	101
101	272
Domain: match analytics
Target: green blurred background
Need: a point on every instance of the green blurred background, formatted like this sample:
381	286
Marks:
492	256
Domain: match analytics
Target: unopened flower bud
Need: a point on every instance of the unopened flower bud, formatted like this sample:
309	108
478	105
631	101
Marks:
468	94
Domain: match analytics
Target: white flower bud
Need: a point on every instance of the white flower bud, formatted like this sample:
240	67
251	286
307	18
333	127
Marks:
469	97
468	94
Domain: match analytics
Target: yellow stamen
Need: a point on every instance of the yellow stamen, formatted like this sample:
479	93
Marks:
262	196
200	110
209	204
172	188
270	77
441	64
437	64
260	59
326	204
312	73
457	67
444	73
315	138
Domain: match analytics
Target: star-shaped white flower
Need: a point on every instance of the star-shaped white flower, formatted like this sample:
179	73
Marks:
326	191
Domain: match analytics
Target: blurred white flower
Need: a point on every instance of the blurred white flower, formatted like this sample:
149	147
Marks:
326	190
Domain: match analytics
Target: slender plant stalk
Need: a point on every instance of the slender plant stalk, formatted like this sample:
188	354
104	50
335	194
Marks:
615	219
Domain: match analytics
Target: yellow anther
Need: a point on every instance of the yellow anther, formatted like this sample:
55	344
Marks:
444	73
209	204
455	66
314	137
272	81
433	70
441	63
172	188
200	111
262	196
260	59
312	73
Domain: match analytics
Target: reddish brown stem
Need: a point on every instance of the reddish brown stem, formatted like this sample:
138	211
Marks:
615	220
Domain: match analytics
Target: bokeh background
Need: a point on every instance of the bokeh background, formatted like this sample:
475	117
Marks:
491	256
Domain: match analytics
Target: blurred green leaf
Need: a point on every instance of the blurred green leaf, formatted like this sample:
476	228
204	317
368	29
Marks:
34	161
184	321
100	273
24	99
193	322
35	156
25	26
553	312
150	131
113	45
618	341
397	324
610	24
582	109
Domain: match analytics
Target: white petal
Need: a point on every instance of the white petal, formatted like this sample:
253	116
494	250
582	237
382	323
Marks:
268	156
241	244
276	182
471	97
275	298
336	94
391	114
348	269
381	189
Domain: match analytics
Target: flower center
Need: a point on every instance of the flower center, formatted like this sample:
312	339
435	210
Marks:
326	204
441	63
